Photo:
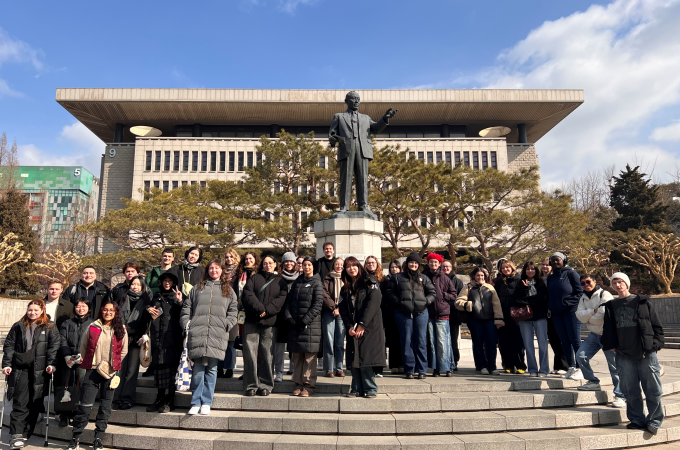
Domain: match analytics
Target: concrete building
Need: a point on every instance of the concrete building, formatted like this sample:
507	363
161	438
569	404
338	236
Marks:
213	133
59	199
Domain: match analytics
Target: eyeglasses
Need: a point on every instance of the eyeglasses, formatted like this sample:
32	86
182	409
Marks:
108	310
583	283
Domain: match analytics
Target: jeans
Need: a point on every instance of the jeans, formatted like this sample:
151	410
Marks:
258	346
589	348
91	384
527	328
203	380
484	340
568	328
413	336
333	341
229	358
645	372
25	408
363	381
126	392
440	344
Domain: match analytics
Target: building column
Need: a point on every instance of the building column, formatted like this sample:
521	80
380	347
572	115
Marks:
444	130
196	130
118	133
522	133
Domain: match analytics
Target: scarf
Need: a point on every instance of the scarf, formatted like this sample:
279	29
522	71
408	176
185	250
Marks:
189	266
230	271
590	294
337	285
532	287
289	276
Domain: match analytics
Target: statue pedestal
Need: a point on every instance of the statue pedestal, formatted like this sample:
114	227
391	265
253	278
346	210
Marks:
353	233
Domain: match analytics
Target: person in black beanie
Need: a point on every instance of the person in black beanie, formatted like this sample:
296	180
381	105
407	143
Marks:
411	293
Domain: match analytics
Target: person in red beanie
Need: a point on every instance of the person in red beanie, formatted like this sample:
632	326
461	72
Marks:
440	357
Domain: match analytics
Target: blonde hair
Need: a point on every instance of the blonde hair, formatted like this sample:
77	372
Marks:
512	266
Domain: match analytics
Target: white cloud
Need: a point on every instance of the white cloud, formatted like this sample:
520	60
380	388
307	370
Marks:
6	91
288	6
14	51
625	56
668	133
85	149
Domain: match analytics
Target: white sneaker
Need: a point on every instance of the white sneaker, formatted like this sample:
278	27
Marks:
619	402
279	377
589	386
379	375
560	372
194	410
495	372
205	410
576	375
485	371
568	373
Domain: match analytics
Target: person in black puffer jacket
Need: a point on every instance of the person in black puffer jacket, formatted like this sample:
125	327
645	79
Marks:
303	315
531	291
510	341
454	320
166	340
440	355
289	273
411	293
29	355
263	297
392	339
71	332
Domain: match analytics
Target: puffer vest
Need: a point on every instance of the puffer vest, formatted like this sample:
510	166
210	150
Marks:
93	338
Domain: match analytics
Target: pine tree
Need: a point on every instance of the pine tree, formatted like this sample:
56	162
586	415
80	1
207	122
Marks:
636	200
14	218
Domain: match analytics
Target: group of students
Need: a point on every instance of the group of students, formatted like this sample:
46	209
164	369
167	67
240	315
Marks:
339	309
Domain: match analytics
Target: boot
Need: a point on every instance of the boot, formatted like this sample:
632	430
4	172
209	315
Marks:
157	403
168	402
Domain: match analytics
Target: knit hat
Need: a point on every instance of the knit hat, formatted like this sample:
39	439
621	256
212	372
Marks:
559	255
439	258
621	276
413	256
288	256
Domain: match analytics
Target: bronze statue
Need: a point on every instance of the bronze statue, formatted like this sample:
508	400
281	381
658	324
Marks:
352	131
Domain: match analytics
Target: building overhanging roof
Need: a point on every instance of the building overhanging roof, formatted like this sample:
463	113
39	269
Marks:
100	109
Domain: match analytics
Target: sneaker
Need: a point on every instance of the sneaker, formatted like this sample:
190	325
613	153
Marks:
495	372
508	370
194	410
576	375
378	375
485	371
290	372
278	378
589	386
568	373
533	374
74	444
351	394
205	410
97	444
520	371
619	402
634	426
408	376
542	375
422	376
560	372
17	441
448	374
652	430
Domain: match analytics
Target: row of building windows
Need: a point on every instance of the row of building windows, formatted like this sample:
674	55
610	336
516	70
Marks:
256	131
165	185
195	161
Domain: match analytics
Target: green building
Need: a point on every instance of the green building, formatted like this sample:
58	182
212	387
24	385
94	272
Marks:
59	199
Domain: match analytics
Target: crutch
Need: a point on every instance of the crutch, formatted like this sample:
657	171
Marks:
47	415
4	397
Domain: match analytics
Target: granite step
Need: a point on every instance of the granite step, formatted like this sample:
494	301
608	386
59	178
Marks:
580	438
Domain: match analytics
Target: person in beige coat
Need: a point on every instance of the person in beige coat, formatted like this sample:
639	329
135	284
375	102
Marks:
484	316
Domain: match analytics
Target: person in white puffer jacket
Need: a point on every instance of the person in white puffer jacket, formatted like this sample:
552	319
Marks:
591	313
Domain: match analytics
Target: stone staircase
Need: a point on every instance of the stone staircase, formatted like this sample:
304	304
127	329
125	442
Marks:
466	412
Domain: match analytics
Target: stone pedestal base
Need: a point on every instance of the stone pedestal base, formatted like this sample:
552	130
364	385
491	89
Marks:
352	236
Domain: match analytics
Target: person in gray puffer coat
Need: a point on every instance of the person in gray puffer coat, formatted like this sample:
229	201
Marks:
303	316
210	310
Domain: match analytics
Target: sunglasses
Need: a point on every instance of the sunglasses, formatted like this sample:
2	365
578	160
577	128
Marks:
583	283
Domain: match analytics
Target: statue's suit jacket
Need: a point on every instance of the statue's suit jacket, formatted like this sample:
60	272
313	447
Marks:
342	126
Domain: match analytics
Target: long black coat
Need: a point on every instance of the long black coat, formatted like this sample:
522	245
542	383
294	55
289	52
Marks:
165	331
270	300
505	288
369	350
407	300
71	332
303	315
46	340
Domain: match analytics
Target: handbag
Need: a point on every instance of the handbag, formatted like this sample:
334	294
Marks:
520	313
185	368
145	349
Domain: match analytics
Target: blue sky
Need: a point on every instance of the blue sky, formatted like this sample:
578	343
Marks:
625	54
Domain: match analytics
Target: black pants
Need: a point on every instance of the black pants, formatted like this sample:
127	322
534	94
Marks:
559	360
455	329
25	408
126	392
511	345
392	339
91	384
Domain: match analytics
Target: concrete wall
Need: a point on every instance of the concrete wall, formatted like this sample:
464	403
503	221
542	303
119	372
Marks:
521	156
668	309
11	311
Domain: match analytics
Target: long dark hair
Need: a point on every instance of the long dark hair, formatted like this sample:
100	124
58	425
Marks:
116	323
145	291
474	272
242	265
351	286
537	271
224	278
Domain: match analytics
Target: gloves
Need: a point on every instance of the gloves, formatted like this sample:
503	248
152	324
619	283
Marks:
69	361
